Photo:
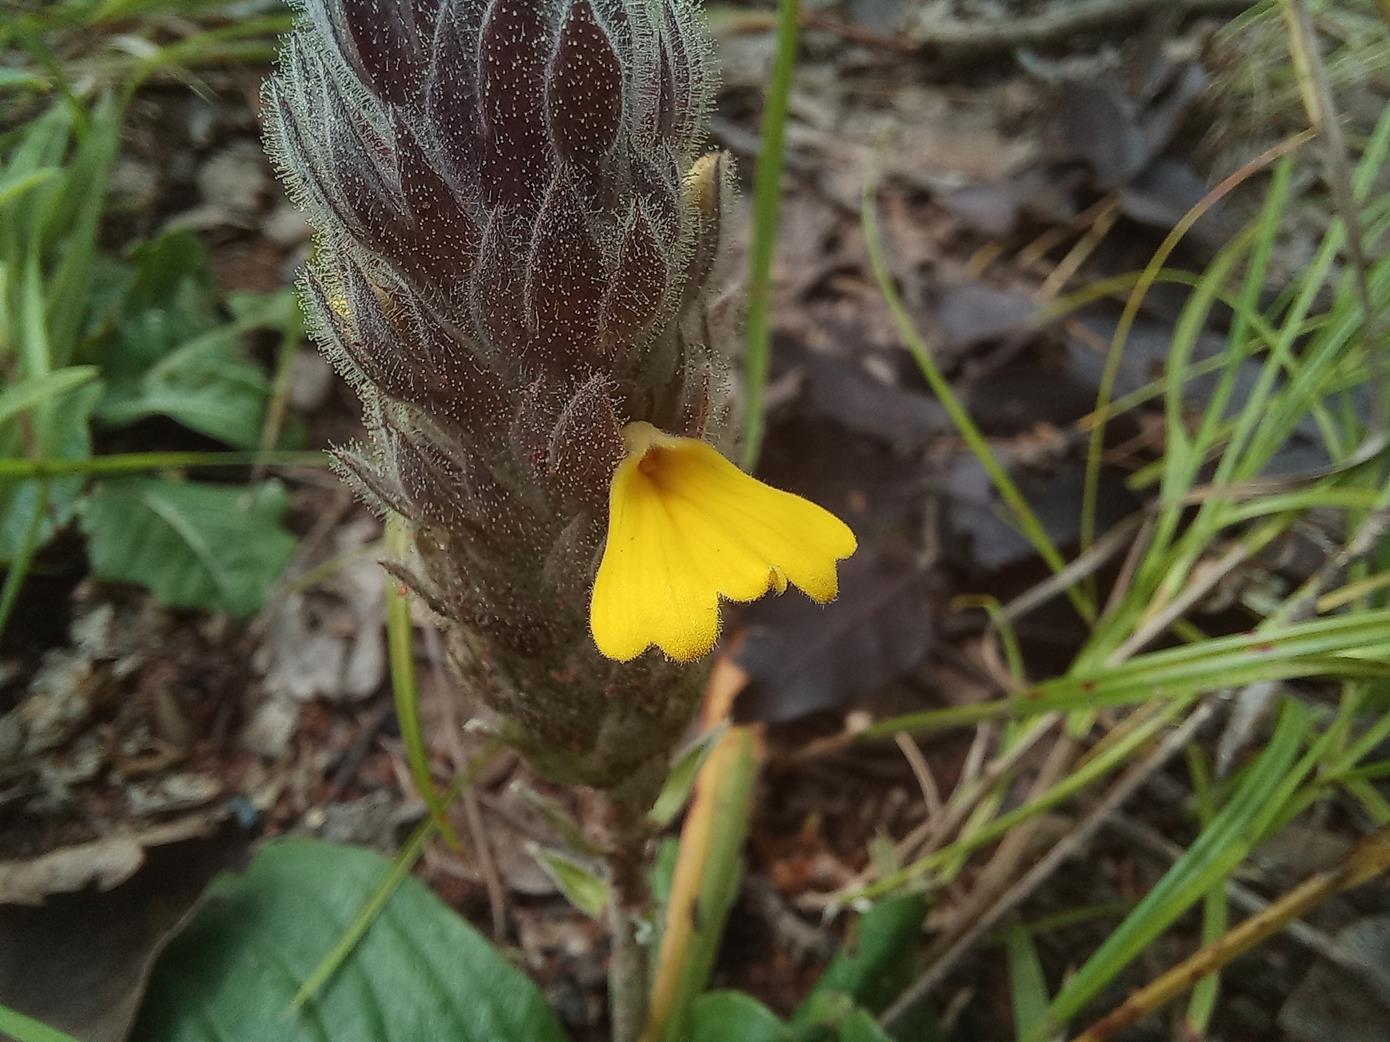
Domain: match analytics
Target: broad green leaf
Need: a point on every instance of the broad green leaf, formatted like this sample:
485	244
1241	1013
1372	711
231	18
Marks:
170	300
858	1026
108	286
205	385
196	545
421	973
731	1016
726	1016
68	439
834	1016
172	354
877	961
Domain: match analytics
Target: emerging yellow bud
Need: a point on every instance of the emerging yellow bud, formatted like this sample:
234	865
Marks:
687	527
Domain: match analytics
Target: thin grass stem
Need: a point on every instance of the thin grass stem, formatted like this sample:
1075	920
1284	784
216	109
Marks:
767	205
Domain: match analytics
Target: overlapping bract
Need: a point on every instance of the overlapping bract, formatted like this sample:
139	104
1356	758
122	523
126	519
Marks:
514	236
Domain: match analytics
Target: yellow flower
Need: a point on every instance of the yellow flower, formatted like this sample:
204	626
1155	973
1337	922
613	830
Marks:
687	527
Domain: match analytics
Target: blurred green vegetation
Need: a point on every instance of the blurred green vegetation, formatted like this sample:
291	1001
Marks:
95	340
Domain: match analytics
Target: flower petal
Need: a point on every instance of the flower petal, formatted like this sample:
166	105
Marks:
645	592
728	565
686	528
798	538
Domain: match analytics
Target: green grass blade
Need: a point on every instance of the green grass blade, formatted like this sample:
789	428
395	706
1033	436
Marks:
1027	985
35	351
767	205
1215	909
67	289
1342	646
1023	514
27	1029
13	188
1104	761
400	868
31	392
400	634
1215	853
367	915
1131	312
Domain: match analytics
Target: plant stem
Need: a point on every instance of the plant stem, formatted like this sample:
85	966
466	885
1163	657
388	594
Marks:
627	967
627	986
277	408
136	462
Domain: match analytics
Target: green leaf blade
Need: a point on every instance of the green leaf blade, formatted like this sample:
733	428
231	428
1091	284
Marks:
421	973
878	961
195	545
723	1016
68	439
26	1029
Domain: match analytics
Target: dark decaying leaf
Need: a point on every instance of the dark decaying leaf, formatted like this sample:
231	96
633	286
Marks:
1347	1003
802	658
975	515
905	417
1161	194
1018	398
80	961
1124	137
420	973
973	313
996	208
1117	133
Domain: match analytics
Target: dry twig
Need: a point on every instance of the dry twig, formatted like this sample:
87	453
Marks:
1065	849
